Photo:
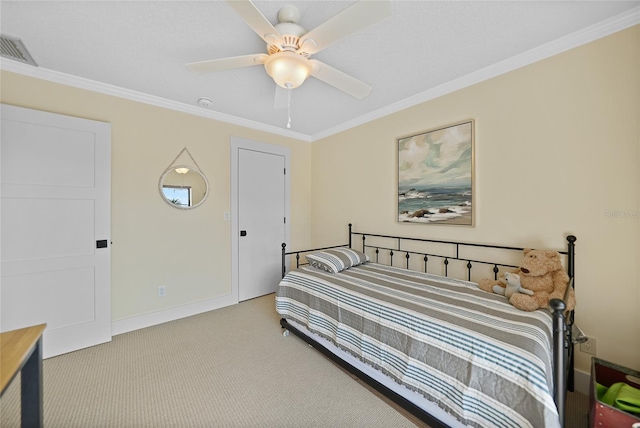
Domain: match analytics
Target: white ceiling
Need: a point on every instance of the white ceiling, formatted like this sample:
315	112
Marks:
138	49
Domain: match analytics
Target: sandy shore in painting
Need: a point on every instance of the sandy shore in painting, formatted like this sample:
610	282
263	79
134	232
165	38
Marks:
465	219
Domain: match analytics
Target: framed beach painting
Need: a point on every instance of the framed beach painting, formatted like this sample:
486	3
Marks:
435	176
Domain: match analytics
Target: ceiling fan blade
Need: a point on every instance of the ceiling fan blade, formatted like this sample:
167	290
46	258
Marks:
256	20
334	77
227	63
351	20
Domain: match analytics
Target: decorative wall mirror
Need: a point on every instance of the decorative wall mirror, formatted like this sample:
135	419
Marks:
183	186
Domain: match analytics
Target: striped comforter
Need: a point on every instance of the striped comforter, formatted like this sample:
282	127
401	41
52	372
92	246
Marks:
483	361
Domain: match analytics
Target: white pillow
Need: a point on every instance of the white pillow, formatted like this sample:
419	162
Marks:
336	260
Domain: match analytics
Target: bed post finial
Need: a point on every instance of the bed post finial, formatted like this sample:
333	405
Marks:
350	234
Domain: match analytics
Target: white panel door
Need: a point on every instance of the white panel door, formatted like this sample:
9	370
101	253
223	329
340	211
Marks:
261	221
55	227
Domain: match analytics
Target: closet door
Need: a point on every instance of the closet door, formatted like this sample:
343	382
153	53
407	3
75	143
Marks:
260	187
55	227
261	216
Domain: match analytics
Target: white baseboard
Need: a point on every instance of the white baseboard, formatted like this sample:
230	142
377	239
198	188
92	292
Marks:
581	381
147	320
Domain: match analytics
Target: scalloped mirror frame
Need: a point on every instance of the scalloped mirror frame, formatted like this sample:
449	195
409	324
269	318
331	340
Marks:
194	179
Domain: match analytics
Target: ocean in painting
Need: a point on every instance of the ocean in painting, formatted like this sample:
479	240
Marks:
450	204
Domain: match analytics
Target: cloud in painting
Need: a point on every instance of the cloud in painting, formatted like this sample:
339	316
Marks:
441	157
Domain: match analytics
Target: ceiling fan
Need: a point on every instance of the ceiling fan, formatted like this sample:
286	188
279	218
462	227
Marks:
289	45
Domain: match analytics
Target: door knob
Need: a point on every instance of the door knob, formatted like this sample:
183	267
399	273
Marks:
243	233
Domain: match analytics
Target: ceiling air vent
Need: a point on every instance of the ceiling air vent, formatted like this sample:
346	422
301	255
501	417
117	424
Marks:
13	48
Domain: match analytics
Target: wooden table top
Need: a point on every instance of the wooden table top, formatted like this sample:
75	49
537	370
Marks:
15	347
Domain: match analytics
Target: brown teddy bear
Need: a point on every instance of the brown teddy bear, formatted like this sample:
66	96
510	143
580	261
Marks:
541	272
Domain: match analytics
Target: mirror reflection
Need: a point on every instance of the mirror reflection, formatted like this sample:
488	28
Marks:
183	187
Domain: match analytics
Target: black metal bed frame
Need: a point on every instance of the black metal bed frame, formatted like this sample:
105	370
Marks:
563	355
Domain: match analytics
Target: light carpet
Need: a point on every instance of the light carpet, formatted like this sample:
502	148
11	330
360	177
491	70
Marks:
231	367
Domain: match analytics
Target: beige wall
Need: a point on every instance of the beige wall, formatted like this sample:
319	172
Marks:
557	146
154	244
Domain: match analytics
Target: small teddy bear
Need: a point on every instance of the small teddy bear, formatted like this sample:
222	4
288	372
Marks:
541	272
512	286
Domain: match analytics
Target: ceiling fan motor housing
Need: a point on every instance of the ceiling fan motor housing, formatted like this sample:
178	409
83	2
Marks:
290	41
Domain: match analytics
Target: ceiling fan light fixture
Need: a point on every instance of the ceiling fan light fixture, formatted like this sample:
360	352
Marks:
288	69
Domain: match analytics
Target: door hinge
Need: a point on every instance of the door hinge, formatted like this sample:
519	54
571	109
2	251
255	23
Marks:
285	171
285	220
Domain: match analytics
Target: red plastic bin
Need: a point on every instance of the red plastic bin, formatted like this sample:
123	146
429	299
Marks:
602	415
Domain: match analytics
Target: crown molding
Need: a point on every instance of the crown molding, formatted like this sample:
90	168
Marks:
578	38
116	91
573	40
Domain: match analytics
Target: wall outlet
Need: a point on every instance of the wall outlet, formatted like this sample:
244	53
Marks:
589	347
162	291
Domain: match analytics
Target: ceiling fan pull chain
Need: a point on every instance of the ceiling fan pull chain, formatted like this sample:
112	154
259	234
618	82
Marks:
289	105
